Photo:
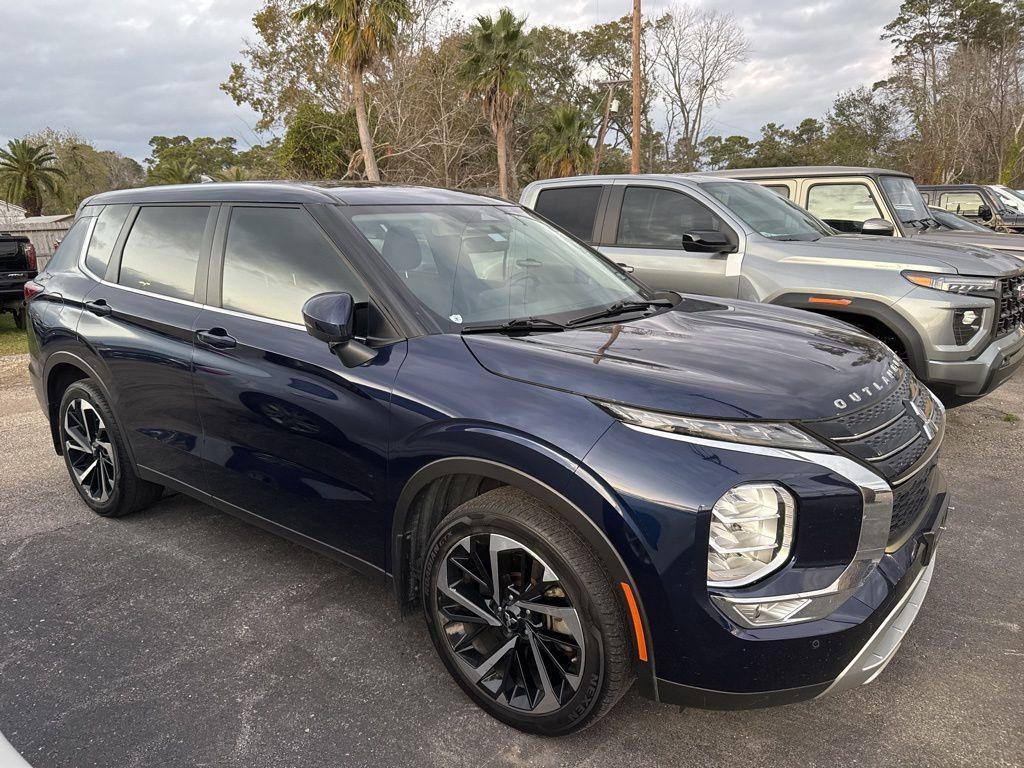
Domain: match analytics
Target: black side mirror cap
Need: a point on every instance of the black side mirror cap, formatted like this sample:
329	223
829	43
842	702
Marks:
330	318
985	213
707	241
879	227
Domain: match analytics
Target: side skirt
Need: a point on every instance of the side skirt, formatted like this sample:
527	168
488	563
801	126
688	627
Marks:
350	561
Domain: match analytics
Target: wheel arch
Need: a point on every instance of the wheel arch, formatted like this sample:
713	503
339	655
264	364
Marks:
63	369
411	527
875	311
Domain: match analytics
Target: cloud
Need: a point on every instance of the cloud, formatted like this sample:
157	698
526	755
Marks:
120	71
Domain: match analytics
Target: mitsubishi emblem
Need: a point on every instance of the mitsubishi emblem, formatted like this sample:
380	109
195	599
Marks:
926	426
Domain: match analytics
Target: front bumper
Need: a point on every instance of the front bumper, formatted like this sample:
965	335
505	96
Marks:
983	374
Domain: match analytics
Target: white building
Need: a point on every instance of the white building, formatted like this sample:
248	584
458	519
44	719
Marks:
10	213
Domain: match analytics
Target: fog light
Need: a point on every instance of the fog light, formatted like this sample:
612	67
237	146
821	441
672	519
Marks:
751	534
966	324
771	614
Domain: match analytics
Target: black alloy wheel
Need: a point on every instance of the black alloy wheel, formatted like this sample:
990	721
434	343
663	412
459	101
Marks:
89	451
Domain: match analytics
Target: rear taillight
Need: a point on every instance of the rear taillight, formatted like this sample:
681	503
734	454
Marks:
30	257
32	289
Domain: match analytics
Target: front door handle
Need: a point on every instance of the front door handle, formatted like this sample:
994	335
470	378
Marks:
100	308
627	268
217	338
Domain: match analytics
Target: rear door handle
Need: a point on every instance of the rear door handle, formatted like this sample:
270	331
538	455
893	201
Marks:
217	338
100	308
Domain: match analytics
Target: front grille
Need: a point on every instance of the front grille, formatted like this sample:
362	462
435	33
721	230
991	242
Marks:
908	503
1011	305
890	435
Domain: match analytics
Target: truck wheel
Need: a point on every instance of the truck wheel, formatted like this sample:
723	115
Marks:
96	457
19	318
524	616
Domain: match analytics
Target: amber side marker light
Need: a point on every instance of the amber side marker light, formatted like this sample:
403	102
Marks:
833	302
638	626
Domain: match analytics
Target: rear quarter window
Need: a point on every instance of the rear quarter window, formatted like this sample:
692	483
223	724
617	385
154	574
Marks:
70	248
574	209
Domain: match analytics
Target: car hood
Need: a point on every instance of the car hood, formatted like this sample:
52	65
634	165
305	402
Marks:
735	360
993	240
959	255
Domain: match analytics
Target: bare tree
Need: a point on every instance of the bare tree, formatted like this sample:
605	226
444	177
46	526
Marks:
696	50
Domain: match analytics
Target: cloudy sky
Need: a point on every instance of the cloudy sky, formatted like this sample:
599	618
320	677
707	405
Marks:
120	71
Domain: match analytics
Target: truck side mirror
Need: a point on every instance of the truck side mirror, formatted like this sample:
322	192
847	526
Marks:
707	241
330	318
984	213
879	227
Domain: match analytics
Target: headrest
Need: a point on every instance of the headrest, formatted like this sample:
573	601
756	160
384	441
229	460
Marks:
401	249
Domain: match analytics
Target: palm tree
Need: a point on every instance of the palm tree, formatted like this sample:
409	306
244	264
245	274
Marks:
175	172
26	171
234	173
562	145
497	64
361	33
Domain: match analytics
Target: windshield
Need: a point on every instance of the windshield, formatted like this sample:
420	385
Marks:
767	212
906	199
1008	197
471	264
952	221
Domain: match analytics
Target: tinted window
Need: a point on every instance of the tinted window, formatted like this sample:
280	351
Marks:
276	259
70	247
658	218
845	206
161	254
574	209
108	227
778	189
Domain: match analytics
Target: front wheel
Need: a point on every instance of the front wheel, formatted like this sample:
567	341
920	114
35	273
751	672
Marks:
524	616
96	455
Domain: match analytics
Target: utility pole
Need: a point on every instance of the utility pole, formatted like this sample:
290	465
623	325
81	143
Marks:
603	133
636	87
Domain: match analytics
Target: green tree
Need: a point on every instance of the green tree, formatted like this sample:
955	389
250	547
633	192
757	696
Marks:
497	66
319	144
730	152
362	32
175	171
209	156
27	172
562	144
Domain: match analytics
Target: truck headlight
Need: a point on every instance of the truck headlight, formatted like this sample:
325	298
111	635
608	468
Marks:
973	286
751	534
774	434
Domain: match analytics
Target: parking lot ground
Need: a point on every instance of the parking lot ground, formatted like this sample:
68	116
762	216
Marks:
183	637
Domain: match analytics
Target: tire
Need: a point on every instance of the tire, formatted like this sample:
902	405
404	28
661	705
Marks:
558	608
19	318
96	456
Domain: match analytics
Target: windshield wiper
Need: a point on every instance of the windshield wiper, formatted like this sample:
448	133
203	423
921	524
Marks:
619	308
516	325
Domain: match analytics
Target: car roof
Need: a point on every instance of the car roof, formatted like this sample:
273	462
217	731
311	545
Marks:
606	178
953	186
293	192
806	170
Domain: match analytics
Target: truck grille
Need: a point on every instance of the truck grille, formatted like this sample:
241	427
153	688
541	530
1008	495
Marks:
1011	305
896	435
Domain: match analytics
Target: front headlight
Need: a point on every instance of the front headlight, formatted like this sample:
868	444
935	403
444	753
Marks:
751	534
775	435
974	286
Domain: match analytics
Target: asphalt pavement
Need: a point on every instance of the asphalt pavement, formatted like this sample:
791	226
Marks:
181	636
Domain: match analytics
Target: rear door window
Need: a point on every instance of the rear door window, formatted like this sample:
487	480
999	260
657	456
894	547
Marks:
161	254
104	236
844	206
654	217
574	209
276	259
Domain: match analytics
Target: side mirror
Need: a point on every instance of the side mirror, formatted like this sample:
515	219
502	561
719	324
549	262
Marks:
879	227
707	241
330	318
984	213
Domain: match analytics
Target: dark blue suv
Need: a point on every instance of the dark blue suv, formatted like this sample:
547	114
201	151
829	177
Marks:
584	484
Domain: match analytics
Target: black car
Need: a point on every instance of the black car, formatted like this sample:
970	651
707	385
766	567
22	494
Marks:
580	483
17	267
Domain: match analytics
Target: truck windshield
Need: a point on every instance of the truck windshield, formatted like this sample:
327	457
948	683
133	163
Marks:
480	264
766	212
906	200
1009	198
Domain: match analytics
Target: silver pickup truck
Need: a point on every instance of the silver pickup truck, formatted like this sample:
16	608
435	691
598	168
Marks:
954	312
